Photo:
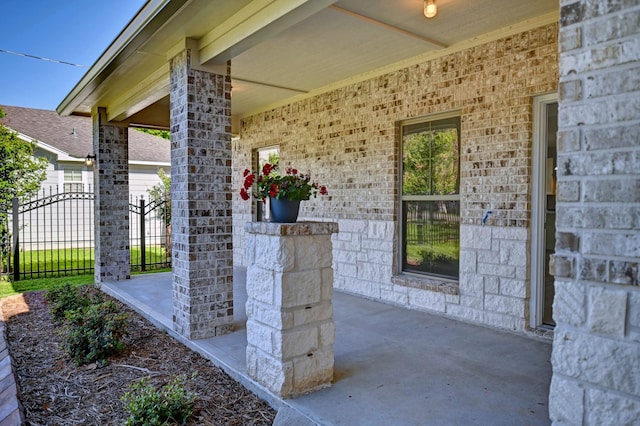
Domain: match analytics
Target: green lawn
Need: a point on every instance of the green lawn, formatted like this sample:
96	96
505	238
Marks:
8	288
79	261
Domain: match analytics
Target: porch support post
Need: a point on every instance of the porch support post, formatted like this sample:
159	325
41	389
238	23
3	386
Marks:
201	196
111	183
290	330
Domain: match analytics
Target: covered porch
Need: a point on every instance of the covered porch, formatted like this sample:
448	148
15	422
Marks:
392	366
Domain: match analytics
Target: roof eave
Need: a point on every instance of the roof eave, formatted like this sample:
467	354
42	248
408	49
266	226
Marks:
146	22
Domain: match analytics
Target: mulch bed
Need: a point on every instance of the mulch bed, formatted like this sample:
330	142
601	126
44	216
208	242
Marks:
54	391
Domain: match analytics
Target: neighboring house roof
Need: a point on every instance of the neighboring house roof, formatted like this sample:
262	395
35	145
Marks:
73	135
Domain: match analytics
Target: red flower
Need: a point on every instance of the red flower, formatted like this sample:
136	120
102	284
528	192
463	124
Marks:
246	172
244	194
273	191
323	190
248	181
266	169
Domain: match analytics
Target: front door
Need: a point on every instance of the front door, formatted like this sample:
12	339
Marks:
544	209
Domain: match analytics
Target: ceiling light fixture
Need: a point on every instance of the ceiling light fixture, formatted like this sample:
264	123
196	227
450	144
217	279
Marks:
430	8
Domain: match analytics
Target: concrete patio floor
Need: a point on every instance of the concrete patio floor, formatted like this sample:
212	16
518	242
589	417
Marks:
393	366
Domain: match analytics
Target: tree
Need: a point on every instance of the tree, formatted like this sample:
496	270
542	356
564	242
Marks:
20	176
160	193
20	172
165	134
431	163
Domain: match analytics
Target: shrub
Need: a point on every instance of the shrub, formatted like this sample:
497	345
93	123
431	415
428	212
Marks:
66	297
94	332
149	406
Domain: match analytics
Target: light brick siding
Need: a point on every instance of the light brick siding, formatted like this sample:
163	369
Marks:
596	349
349	140
202	252
111	218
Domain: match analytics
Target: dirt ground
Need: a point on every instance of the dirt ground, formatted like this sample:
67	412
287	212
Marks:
53	391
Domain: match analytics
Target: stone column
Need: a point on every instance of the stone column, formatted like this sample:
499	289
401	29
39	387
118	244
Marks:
290	331
201	196
596	346
111	186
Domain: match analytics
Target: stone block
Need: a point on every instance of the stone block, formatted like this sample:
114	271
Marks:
468	262
601	361
471	284
561	266
269	314
567	241
507	322
634	315
312	372
296	342
569	303
513	288
566	401
274	253
260	284
504	305
507	271
424	299
312	252
380	230
326	288
327	335
475	237
298	288
311	314
607	311
275	375
606	408
260	336
396	295
466	313
513	253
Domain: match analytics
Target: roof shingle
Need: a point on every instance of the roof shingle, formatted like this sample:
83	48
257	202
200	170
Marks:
74	134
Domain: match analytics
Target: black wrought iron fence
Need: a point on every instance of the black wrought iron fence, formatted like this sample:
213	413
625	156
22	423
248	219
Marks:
53	235
432	222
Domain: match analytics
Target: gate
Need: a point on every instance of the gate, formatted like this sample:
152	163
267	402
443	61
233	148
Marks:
53	236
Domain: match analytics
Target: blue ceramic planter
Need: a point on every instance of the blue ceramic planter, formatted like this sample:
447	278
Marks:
283	210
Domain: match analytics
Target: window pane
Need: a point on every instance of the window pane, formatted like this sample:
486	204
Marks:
432	237
430	197
430	158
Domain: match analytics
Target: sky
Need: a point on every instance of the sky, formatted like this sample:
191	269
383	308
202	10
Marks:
76	31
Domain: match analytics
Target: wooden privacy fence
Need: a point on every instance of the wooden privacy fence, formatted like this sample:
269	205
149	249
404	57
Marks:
53	235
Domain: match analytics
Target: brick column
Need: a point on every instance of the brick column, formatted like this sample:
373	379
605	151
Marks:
111	182
596	348
290	331
201	200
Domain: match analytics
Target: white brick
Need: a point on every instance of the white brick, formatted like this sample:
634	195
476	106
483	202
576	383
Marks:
298	288
513	288
610	409
566	401
607	311
424	299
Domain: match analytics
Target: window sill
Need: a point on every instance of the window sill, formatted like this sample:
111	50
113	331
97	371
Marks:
427	283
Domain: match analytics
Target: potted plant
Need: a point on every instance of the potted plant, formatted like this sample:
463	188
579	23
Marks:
284	191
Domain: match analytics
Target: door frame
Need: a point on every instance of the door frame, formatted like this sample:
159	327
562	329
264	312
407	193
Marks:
538	202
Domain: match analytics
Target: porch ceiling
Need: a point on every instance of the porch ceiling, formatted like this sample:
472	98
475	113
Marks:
282	50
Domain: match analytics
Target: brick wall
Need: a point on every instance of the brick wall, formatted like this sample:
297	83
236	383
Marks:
111	220
201	229
596	351
348	139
